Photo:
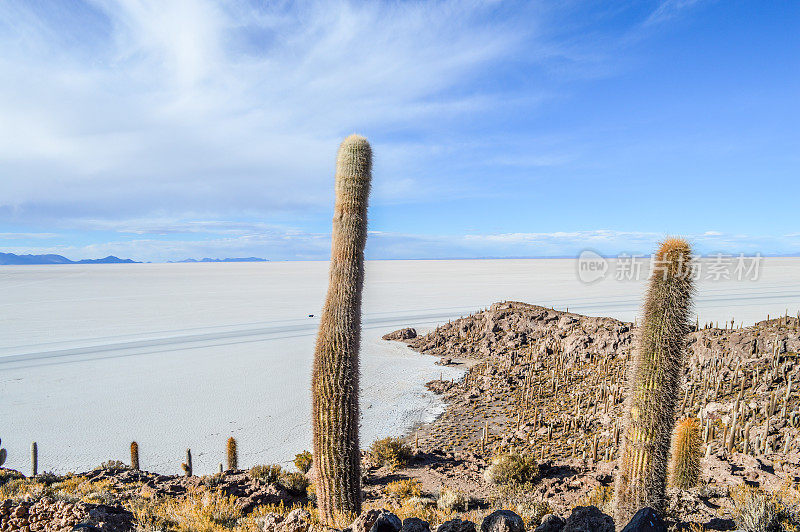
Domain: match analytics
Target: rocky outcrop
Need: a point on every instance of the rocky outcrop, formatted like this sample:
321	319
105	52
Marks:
367	520
250	492
512	325
401	334
51	515
298	520
553	381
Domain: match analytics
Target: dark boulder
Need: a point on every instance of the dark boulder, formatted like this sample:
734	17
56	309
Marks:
415	524
646	520
387	522
503	521
588	519
550	523
456	525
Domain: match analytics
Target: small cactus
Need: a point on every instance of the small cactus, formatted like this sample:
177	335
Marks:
3	455
34	459
233	454
187	465
687	449
134	455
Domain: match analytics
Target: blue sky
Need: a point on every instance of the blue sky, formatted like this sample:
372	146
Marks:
165	130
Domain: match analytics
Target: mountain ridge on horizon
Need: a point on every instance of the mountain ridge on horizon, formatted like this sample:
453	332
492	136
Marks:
12	259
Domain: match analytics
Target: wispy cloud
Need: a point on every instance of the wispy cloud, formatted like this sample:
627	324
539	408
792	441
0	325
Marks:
193	105
26	236
669	9
158	130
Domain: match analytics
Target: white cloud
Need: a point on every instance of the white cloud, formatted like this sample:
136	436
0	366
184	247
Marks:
137	106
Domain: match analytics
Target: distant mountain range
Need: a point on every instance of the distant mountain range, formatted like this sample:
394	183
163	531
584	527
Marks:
12	259
9	259
239	259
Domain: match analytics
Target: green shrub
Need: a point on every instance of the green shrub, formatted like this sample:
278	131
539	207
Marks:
390	452
512	469
266	473
303	461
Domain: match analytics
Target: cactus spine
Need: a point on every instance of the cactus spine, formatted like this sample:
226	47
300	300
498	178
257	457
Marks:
654	382
233	454
335	414
686	453
3	455
187	465
134	456
34	459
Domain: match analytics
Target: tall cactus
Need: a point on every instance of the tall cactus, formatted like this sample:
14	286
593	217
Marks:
3	455
134	456
337	461
34	459
687	448
654	382
232	454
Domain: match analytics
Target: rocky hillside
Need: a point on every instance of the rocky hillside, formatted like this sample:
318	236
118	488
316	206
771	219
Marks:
551	383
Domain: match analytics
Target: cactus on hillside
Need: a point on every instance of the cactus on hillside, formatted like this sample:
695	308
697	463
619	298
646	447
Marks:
134	455
335	414
232	454
654	382
687	449
187	465
34	459
3	455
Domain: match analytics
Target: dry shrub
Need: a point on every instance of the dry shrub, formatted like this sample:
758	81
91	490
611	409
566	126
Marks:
602	497
756	510
270	474
199	510
113	465
512	469
70	488
425	508
403	489
453	500
532	512
391	452
294	482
